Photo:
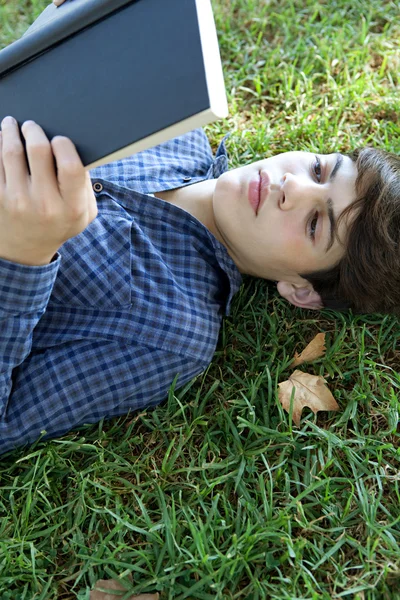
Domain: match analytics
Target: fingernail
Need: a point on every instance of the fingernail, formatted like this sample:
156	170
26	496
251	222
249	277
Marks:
9	121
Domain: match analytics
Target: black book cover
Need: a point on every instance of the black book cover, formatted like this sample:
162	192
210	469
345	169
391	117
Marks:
115	76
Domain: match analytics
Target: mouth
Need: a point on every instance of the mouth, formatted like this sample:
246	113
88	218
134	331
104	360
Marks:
258	190
265	186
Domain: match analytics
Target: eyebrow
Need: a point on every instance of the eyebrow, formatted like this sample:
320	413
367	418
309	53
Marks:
338	164
331	214
332	224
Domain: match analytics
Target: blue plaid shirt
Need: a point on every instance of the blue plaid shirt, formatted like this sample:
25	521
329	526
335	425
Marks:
126	306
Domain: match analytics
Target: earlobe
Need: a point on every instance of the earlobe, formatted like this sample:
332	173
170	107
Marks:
300	296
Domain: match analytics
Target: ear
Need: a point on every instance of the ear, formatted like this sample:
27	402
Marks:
302	296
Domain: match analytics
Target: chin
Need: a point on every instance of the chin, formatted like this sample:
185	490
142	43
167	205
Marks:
228	189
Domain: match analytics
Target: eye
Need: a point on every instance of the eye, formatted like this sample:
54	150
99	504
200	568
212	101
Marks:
317	169
313	225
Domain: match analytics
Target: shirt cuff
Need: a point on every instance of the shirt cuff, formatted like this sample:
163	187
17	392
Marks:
25	288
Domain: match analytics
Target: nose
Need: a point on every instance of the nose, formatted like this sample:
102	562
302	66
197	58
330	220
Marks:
296	191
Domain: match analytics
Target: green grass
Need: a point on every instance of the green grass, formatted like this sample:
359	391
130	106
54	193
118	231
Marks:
214	495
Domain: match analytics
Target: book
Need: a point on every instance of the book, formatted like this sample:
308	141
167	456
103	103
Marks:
116	76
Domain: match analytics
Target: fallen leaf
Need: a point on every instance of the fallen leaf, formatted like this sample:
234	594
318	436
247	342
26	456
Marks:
310	390
113	585
315	349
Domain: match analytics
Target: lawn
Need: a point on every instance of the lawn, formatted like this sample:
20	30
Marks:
216	494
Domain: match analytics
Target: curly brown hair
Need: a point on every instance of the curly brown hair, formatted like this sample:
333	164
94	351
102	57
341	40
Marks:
367	278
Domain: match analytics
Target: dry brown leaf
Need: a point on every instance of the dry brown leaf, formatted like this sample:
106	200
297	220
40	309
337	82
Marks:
310	390
114	585
315	349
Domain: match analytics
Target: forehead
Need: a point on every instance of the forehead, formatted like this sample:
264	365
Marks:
303	156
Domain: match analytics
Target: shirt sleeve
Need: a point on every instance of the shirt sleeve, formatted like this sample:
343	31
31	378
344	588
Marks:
80	382
24	292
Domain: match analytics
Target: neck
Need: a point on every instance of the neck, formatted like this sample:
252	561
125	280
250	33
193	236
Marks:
196	199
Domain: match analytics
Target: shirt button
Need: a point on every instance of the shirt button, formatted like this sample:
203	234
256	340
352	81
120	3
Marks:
97	187
187	179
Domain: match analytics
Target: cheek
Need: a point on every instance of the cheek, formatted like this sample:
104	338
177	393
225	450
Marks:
292	237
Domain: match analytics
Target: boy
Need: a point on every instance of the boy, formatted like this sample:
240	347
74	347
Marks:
114	283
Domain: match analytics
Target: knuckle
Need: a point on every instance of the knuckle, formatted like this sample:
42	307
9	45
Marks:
71	168
94	212
75	214
39	149
91	216
19	198
52	217
17	208
47	213
12	150
49	218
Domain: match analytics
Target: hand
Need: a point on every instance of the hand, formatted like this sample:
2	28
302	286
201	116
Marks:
58	2
40	211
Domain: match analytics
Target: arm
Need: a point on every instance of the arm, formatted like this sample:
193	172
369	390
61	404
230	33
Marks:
55	388
24	293
38	212
83	381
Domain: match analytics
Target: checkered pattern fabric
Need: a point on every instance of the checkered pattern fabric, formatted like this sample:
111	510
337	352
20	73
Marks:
126	306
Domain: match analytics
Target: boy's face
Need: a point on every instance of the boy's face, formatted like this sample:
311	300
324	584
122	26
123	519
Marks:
277	216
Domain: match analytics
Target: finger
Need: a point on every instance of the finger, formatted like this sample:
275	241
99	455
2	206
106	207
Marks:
71	173
14	161
2	173
40	157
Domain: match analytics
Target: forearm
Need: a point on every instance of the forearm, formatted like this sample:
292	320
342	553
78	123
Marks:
24	293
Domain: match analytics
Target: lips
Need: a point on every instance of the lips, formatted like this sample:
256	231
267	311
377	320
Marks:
265	184
254	192
258	190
